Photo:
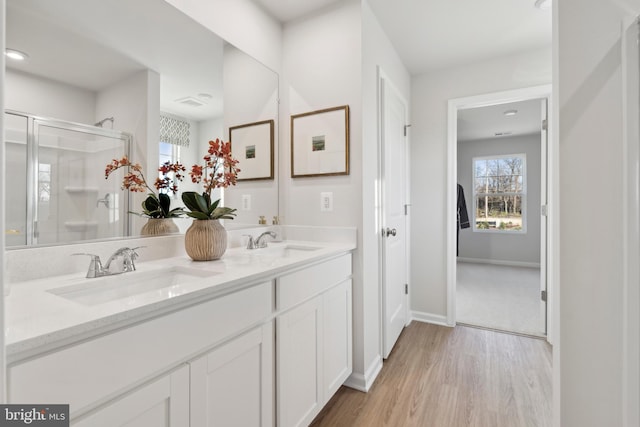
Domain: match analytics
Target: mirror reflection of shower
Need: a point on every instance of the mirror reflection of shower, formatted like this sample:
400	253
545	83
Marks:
57	192
100	124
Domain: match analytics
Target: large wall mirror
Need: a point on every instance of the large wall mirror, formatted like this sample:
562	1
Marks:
106	78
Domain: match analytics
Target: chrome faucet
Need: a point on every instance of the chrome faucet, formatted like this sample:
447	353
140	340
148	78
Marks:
263	244
128	257
96	269
259	242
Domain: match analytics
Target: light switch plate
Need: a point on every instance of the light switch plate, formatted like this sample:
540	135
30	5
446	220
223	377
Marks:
246	202
326	202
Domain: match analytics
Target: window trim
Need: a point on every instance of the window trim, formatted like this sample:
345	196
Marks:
523	194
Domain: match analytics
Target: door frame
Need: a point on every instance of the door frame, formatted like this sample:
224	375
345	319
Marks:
484	100
630	50
382	76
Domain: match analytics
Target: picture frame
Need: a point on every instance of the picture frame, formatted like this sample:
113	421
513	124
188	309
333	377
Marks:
320	143
252	145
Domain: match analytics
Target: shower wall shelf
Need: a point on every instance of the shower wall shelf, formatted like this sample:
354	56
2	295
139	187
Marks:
73	189
80	225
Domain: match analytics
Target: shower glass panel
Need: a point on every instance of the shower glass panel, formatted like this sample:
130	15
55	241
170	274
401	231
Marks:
16	137
63	190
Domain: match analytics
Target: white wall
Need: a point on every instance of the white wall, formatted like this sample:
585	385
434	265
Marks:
250	95
592	304
496	246
377	51
240	22
35	95
134	103
310	82
430	94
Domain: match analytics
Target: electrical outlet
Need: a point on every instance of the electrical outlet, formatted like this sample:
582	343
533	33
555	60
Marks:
246	202
326	202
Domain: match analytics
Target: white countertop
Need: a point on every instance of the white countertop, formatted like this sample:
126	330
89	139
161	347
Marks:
38	320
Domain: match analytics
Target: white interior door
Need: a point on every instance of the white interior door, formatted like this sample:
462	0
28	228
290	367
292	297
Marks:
543	214
394	219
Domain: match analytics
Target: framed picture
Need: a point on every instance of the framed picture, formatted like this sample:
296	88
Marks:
252	145
320	143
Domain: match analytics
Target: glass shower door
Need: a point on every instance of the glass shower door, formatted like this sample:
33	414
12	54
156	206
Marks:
73	200
17	230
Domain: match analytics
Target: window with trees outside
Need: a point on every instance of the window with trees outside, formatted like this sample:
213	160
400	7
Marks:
499	193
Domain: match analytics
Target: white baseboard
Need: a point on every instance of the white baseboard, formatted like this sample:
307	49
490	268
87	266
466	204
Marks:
364	382
436	319
500	262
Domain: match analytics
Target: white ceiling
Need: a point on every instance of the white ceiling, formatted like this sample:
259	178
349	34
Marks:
428	35
485	122
93	43
435	34
288	10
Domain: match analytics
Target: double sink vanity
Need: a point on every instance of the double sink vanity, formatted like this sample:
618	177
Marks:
261	337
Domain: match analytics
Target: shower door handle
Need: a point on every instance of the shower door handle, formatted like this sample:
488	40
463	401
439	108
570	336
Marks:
390	232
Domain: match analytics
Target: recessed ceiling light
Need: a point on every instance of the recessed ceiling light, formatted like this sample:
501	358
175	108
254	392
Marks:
543	4
510	113
15	54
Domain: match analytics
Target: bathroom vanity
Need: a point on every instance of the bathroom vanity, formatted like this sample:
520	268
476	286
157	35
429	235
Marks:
259	338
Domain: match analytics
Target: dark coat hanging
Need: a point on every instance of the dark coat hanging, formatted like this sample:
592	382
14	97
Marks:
462	216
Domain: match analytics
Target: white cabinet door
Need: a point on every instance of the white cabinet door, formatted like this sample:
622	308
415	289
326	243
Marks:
337	338
233	384
299	370
164	402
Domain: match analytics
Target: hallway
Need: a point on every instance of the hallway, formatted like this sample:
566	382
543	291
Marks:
452	377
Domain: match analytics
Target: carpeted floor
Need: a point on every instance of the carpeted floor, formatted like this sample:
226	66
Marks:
499	297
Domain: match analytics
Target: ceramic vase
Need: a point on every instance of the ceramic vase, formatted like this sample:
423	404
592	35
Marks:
205	240
159	226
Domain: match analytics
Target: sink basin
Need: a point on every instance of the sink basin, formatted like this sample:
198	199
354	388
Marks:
286	251
162	283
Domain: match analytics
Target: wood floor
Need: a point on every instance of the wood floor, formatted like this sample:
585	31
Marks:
452	377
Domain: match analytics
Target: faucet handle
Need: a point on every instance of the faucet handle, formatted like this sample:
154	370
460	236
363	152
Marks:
251	244
128	262
95	266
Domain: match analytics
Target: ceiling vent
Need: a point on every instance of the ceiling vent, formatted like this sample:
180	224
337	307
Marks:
191	101
503	133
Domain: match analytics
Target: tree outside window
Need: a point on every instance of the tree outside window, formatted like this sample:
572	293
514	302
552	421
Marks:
499	193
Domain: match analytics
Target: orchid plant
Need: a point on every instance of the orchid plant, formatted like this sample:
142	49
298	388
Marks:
158	203
219	171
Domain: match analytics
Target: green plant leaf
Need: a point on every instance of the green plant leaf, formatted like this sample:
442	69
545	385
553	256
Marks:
175	213
165	204
207	200
190	199
213	206
223	213
150	204
198	215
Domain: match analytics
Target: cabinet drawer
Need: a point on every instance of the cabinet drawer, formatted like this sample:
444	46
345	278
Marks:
101	368
297	287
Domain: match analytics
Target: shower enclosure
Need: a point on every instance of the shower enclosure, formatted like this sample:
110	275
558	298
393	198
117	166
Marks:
56	191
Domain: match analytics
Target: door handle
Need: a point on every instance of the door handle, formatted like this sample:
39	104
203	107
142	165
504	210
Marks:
390	232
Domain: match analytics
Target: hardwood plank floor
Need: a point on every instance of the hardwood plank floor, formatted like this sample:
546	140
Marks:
452	377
